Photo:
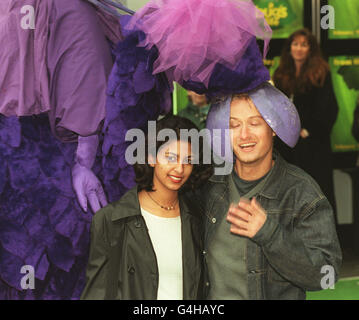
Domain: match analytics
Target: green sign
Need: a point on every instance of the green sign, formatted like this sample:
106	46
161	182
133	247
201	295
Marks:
179	98
272	64
346	14
283	16
345	77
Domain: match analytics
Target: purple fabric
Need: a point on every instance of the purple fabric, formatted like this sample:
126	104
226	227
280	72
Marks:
61	66
278	111
23	73
135	96
192	36
110	26
274	106
41	223
249	73
218	118
86	150
87	186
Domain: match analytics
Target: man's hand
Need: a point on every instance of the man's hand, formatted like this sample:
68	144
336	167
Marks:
247	218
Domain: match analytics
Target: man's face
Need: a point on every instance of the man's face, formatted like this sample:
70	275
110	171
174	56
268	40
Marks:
252	138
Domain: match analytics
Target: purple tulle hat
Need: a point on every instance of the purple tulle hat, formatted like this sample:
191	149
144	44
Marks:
274	106
210	47
194	36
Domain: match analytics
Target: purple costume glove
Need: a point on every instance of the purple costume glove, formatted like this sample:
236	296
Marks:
87	186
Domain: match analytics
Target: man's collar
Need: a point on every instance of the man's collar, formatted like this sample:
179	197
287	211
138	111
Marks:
272	186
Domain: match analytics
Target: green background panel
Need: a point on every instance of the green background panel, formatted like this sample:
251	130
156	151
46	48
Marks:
283	16
346	19
342	139
180	99
344	289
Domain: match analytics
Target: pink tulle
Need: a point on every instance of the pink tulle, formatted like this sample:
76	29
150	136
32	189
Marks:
192	36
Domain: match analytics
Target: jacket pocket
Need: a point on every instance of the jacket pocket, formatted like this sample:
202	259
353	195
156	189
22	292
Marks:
275	277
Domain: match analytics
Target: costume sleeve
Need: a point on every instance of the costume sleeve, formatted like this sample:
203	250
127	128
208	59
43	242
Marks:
298	253
79	62
97	268
324	112
24	81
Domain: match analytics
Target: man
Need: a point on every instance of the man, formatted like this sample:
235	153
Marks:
279	232
289	232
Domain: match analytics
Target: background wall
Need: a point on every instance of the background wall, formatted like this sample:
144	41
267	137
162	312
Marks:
134	4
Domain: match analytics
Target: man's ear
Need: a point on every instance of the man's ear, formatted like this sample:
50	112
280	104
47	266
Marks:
151	160
273	133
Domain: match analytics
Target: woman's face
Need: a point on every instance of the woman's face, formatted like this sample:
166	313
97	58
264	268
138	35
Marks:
299	49
173	166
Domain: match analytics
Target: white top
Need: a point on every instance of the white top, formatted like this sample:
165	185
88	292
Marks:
166	237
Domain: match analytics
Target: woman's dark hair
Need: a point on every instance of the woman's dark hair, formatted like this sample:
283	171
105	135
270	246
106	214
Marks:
313	71
200	173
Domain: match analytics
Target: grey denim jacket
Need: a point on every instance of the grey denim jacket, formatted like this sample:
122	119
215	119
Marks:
285	258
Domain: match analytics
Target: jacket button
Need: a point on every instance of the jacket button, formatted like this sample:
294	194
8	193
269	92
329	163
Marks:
138	224
204	252
131	270
207	284
214	220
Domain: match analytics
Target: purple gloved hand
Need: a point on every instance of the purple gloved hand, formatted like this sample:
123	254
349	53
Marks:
87	186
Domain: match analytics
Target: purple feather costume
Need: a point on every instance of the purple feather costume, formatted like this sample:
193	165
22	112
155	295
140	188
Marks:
53	85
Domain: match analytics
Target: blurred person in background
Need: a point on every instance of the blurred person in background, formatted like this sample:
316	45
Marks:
197	109
304	76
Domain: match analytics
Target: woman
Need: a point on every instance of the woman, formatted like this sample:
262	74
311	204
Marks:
304	76
148	244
